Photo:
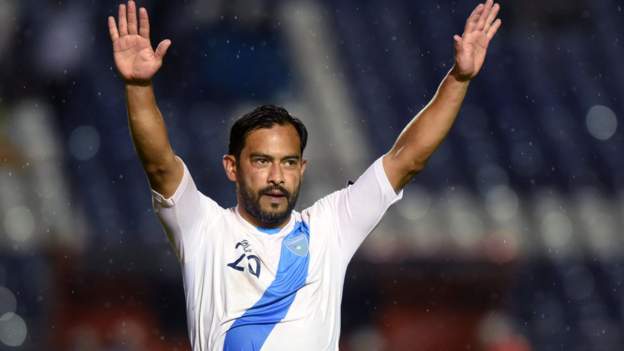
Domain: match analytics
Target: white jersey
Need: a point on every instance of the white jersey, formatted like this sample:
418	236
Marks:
249	288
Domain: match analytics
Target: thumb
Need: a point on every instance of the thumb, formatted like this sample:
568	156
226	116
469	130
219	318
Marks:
458	41
162	48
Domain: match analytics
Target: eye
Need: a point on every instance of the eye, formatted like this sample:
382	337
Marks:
291	162
261	161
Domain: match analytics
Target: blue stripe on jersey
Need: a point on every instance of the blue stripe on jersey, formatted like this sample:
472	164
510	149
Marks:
250	331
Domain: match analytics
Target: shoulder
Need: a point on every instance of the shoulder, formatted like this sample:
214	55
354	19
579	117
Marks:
325	203
324	210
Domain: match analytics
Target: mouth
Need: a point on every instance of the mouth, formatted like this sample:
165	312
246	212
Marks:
275	195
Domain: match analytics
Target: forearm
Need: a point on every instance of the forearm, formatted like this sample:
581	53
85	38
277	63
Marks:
424	133
147	128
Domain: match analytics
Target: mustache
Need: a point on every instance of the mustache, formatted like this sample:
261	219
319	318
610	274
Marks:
271	190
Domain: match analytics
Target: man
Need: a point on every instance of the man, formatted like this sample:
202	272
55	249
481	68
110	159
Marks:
260	275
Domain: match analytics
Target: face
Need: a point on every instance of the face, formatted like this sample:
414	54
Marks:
268	174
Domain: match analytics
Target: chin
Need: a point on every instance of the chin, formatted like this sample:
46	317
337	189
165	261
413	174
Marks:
275	210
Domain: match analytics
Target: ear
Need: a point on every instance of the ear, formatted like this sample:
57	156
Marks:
229	165
304	163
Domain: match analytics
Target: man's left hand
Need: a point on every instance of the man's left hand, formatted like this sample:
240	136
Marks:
471	47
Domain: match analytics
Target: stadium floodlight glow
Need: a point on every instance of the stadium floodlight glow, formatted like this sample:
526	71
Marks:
84	142
13	329
601	122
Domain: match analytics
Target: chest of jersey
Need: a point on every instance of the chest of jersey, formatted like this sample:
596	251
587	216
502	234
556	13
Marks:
263	286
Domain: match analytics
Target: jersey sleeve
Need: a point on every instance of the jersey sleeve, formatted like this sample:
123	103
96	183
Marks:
358	208
184	214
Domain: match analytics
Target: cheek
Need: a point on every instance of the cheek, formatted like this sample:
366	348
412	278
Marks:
256	179
293	180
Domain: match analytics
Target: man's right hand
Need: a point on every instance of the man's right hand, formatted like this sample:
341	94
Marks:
135	59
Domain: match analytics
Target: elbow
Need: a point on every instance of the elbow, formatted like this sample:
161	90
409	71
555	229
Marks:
415	163
416	166
408	172
406	164
154	169
411	160
419	166
160	167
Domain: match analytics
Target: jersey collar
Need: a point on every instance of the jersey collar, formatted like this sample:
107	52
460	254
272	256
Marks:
266	231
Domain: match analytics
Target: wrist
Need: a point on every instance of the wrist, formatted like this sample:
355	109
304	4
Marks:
138	83
456	75
139	90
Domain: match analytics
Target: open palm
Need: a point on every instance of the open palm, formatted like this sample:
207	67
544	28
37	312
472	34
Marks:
471	47
135	59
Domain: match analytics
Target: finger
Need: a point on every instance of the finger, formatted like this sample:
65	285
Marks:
493	29
112	28
491	17
162	48
484	14
132	18
123	22
144	28
472	20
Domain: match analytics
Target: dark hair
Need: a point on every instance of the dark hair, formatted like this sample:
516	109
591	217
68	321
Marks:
264	116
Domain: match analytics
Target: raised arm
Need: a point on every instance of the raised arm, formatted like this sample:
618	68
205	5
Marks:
137	63
424	133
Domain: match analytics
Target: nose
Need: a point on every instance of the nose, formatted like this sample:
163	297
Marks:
276	174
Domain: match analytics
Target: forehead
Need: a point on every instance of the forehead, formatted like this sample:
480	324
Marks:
279	140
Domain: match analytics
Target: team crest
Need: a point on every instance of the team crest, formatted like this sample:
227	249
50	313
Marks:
297	245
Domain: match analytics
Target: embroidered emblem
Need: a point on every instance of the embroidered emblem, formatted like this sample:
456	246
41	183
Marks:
298	245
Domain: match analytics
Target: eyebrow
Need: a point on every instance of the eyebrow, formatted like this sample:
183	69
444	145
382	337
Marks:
272	158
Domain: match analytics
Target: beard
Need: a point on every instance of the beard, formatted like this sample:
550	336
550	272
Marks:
251	203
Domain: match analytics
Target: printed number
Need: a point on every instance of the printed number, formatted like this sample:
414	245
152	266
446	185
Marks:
235	263
253	264
256	260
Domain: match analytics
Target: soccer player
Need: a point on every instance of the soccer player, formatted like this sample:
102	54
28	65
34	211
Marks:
261	276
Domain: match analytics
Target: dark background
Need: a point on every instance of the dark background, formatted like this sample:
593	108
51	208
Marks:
511	239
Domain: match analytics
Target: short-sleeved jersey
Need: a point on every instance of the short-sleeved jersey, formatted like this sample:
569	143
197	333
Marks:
249	288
